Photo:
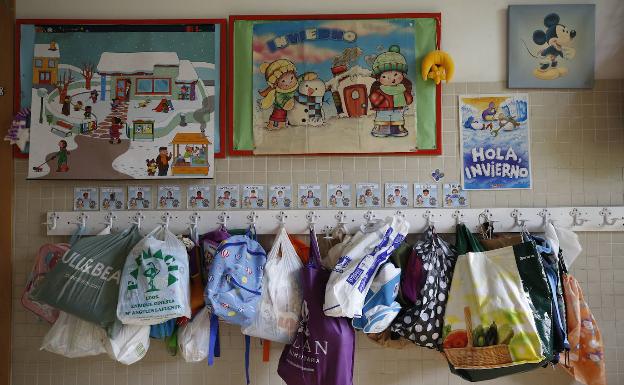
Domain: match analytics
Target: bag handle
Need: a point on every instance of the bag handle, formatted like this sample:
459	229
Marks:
466	241
282	242
251	232
315	255
77	235
438	241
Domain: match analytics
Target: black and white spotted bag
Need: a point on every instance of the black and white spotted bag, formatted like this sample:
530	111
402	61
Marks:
423	323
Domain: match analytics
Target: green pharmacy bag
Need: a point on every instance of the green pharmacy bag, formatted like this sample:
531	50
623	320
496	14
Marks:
85	281
486	339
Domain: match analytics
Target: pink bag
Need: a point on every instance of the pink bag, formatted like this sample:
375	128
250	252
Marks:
46	259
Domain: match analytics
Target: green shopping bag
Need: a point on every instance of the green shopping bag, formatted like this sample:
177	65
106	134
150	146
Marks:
85	281
533	282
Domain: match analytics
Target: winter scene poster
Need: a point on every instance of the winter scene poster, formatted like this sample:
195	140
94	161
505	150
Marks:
334	86
123	101
495	142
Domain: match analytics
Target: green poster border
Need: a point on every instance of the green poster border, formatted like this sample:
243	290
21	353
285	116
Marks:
241	109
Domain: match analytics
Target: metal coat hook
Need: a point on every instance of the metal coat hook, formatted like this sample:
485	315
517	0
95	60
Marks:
328	232
312	219
281	217
341	217
52	221
459	217
252	217
223	218
195	217
109	219
576	217
546	215
82	221
428	215
166	218
340	230
137	219
606	220
370	216
518	220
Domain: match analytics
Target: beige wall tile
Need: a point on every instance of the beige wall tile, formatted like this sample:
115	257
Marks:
578	159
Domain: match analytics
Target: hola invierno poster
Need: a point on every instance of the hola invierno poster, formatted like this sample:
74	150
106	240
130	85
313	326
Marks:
495	142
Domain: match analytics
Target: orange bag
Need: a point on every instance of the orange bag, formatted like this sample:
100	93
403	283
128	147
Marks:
302	249
586	358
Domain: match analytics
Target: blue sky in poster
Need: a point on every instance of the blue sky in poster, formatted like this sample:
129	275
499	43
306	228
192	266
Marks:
487	161
373	37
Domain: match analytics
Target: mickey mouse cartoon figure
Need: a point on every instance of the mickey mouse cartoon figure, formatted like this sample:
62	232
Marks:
558	42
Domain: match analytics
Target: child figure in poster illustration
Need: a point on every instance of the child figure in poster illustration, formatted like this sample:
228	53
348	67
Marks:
163	161
390	94
62	157
282	82
115	130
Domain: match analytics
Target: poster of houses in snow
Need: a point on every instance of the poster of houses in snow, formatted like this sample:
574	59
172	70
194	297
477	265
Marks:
334	86
495	142
124	101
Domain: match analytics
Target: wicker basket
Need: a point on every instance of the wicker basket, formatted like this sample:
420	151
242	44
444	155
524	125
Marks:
471	357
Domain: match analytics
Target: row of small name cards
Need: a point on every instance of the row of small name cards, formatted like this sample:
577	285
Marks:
234	196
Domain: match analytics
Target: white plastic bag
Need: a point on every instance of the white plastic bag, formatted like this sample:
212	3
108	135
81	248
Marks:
194	337
155	281
277	317
362	256
130	344
569	244
73	337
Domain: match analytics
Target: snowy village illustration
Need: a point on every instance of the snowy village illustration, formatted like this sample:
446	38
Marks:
131	105
495	141
334	86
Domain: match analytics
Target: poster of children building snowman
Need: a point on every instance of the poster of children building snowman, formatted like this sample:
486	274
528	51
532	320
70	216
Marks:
495	141
123	101
334	86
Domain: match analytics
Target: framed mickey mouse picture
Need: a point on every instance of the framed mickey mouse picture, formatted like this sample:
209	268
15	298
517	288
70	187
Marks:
551	46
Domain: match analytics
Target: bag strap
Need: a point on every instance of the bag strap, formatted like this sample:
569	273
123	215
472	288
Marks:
266	350
247	350
214	345
315	255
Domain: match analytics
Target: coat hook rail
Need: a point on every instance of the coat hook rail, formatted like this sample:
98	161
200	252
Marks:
594	218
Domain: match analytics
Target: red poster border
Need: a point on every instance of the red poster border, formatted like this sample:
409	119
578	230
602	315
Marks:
230	122
222	22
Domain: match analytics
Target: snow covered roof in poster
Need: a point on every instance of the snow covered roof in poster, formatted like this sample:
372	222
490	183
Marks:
187	72
133	62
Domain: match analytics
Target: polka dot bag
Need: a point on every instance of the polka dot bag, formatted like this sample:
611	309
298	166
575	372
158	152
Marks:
422	323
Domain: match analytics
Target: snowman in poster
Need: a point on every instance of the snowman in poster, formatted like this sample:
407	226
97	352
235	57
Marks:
122	102
334	86
495	142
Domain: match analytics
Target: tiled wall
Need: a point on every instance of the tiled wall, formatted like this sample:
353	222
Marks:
578	159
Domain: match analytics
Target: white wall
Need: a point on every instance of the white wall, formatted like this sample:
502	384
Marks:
474	31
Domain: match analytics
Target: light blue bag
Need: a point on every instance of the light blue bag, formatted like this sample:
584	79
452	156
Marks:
235	280
380	307
234	287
